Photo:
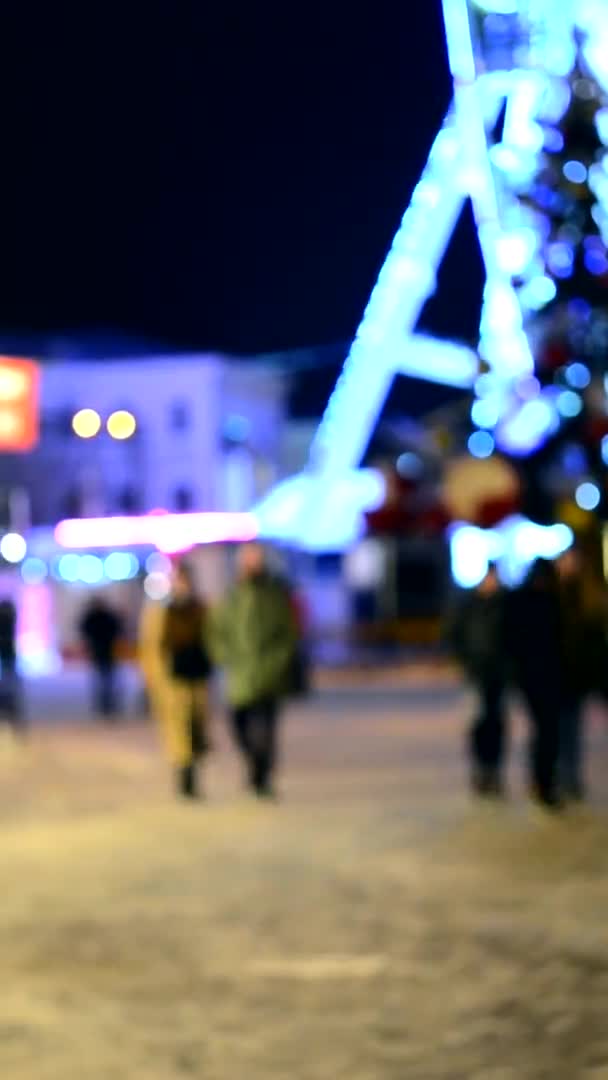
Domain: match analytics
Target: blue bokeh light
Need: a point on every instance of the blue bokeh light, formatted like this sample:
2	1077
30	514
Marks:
485	412
578	376
68	567
527	430
481	444
575	172
596	261
469	556
554	140
513	546
587	496
484	384
516	249
528	388
569	404
157	563
409	465
539	292
90	569
120	566
560	258
34	571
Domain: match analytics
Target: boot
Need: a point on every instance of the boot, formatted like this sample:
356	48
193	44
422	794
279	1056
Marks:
486	782
186	782
547	797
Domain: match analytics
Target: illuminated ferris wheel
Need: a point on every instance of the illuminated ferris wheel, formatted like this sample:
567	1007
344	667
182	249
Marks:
517	68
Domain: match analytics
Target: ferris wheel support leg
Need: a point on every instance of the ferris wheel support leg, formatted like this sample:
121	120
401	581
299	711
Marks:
405	283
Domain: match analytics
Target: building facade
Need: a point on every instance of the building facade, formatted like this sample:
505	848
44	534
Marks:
207	437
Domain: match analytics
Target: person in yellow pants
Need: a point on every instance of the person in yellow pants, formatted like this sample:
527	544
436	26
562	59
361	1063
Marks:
176	670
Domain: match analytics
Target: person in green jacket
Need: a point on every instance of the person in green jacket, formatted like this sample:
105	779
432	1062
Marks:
254	639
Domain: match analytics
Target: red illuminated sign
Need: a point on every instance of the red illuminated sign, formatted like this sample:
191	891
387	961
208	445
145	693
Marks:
19	423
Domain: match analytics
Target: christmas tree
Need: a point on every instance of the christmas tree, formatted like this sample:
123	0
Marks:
568	203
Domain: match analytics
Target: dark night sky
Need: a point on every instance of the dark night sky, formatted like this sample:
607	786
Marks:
215	176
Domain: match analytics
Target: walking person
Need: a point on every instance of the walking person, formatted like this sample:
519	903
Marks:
255	638
533	638
101	629
10	688
175	662
584	662
477	637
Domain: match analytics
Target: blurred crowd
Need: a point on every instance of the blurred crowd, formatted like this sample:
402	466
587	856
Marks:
254	637
547	641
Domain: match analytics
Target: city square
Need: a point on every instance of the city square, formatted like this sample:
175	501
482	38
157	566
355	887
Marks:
376	922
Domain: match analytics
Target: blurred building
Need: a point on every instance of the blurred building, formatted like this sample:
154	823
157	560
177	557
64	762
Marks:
134	435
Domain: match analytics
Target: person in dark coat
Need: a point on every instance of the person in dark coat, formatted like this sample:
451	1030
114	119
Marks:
584	662
10	694
533	639
101	629
477	635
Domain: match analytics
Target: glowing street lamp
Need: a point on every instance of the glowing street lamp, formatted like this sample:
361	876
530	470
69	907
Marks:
13	547
121	425
86	424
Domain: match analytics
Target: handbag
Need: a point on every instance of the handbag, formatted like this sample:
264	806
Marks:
299	674
190	663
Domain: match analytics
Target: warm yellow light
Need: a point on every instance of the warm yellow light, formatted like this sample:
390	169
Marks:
121	424
13	384
10	423
86	423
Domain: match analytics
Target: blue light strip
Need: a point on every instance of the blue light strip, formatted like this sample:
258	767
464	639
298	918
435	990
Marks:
510	236
514	545
437	361
591	18
406	281
503	344
317	514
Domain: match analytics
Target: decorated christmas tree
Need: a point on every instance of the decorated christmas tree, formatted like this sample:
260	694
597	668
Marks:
567	206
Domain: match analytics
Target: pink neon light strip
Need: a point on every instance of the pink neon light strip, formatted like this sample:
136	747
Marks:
170	533
35	619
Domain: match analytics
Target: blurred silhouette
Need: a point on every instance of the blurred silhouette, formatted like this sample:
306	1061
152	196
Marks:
300	676
477	637
533	638
584	663
10	688
176	667
101	628
255	638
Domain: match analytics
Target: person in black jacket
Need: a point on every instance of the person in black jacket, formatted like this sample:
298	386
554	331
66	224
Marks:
101	629
477	639
533	638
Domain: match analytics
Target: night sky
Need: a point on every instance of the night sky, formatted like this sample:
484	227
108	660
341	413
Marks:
221	176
